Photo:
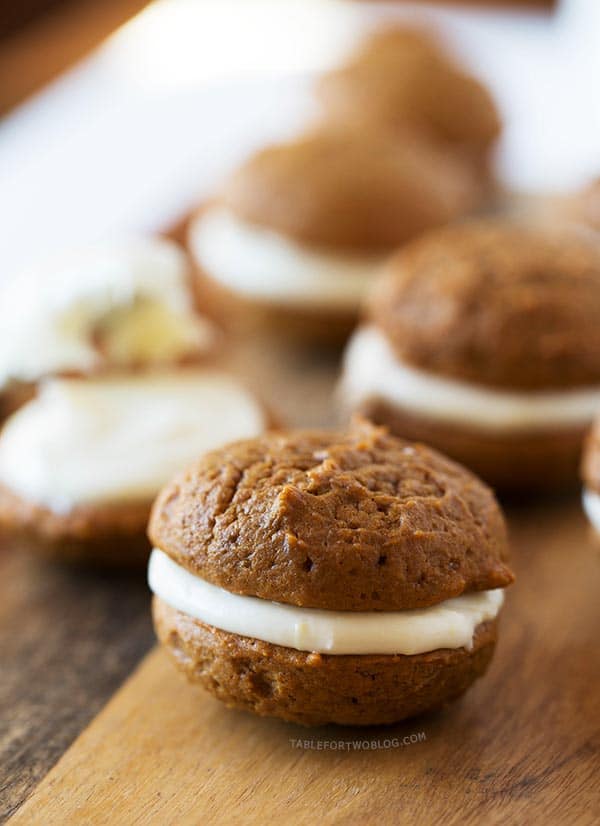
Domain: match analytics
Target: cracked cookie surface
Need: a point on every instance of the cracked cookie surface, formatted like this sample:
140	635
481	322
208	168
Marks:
497	304
359	521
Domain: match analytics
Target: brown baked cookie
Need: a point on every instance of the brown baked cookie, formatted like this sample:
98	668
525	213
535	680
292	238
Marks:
512	307
351	190
501	319
357	521
301	230
315	689
519	463
401	78
111	535
350	523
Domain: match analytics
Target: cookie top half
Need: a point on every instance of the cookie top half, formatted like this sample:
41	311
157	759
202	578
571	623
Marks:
496	304
358	521
402	76
355	190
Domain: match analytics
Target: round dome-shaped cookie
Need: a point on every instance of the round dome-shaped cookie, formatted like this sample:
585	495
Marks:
495	304
353	521
402	77
351	190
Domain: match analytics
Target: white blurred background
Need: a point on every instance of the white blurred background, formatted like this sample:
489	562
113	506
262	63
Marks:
142	129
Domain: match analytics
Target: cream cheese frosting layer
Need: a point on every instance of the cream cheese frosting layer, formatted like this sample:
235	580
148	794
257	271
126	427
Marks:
591	506
114	305
120	439
262	264
451	624
372	369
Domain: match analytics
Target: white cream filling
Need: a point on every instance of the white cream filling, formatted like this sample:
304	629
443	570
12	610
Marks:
120	439
591	506
451	624
113	304
371	369
262	264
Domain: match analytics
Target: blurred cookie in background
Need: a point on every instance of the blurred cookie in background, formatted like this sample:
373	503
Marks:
298	233
402	77
113	307
483	340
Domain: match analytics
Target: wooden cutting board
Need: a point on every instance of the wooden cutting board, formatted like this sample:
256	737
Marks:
523	746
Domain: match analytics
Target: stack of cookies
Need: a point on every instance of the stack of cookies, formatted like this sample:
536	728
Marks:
294	240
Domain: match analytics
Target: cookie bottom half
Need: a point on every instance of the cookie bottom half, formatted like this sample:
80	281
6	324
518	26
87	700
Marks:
241	315
316	689
522	462
112	536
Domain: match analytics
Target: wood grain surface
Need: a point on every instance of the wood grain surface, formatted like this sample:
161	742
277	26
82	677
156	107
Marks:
68	639
523	746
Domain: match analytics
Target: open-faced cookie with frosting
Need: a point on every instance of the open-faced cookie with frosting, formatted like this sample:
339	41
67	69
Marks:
346	577
119	306
119	386
484	340
402	77
298	233
81	463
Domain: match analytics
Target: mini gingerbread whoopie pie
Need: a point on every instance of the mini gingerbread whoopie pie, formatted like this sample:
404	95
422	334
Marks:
591	476
401	77
484	340
323	577
300	230
122	392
